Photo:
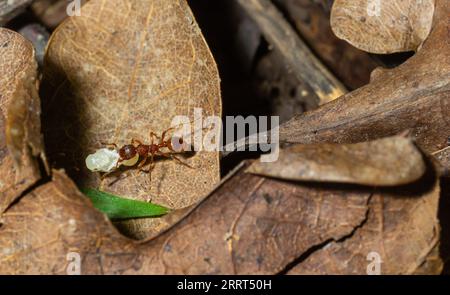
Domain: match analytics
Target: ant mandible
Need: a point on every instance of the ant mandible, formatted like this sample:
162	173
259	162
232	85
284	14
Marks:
130	154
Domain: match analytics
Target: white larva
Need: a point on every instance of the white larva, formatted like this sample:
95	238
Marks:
104	160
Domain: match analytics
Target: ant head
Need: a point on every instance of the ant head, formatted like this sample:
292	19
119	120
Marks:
127	152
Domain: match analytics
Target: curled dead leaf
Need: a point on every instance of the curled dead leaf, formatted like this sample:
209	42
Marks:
248	225
384	162
260	232
111	76
20	135
414	96
383	26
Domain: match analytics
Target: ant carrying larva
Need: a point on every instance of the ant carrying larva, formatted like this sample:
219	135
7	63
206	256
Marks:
137	154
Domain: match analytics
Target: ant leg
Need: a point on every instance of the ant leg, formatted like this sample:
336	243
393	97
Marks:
135	141
141	163
109	145
105	175
112	171
120	177
163	135
152	166
171	156
150	169
153	135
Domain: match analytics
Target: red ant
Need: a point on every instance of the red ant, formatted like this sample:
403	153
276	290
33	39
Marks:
131	153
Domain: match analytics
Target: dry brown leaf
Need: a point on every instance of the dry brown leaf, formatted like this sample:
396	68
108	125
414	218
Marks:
403	231
121	70
414	96
248	225
384	162
20	138
379	26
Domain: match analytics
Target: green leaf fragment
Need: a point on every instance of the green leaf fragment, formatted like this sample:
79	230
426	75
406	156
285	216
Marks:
120	208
